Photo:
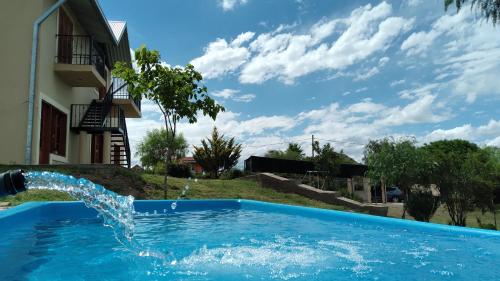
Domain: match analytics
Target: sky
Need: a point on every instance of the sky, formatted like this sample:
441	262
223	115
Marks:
344	71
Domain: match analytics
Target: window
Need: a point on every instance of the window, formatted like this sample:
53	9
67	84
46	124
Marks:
52	132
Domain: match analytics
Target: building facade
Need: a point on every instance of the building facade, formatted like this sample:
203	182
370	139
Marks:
58	100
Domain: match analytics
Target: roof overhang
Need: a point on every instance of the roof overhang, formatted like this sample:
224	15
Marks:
90	15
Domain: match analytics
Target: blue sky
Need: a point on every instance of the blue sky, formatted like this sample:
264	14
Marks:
345	71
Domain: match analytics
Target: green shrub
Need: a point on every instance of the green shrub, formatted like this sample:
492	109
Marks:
179	171
422	204
232	174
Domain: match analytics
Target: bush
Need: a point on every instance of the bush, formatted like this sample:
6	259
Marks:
232	174
174	170
422	204
179	171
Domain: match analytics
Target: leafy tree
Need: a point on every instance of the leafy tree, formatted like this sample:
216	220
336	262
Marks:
463	175
153	148
177	91
293	152
490	9
217	154
326	159
396	162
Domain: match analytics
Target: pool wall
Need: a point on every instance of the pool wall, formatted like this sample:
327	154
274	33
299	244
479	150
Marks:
33	212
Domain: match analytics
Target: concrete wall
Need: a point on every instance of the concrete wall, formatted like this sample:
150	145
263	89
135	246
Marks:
17	18
288	186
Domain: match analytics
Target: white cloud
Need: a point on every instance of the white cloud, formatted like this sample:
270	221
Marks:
245	98
466	53
287	55
221	58
228	5
414	3
363	89
225	93
422	110
233	95
481	134
397	82
350	126
367	74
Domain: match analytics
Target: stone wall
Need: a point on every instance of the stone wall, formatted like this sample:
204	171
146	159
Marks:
288	186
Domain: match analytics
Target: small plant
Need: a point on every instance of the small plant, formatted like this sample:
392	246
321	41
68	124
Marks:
422	204
232	174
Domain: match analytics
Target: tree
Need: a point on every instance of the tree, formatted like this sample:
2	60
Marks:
293	152
463	175
327	160
490	9
396	162
177	91
153	147
217	154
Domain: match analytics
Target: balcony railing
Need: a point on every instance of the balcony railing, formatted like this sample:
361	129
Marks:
88	117
80	50
120	91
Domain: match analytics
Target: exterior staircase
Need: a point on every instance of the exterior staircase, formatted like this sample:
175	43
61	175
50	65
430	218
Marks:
103	116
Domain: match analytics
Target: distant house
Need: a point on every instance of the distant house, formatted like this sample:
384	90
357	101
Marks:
191	162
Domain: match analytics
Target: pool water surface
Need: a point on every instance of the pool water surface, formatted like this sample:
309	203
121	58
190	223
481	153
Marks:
243	241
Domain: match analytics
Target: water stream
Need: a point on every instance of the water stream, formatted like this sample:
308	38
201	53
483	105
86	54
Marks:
116	210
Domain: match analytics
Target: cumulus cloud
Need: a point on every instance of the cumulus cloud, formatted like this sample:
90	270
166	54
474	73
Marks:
287	55
221	57
487	134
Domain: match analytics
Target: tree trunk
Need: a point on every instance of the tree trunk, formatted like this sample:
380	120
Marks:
405	203
165	177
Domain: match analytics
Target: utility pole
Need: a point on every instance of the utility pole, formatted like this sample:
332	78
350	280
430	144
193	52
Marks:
312	146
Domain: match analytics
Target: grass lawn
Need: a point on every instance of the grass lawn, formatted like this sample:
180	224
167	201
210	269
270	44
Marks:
223	189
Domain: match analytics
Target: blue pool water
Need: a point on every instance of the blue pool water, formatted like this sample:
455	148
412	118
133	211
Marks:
238	240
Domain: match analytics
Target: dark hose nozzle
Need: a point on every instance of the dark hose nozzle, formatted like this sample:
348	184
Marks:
12	182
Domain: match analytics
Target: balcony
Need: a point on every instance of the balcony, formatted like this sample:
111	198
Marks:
130	105
80	61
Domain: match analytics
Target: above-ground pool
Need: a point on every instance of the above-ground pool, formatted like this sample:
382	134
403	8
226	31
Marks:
238	240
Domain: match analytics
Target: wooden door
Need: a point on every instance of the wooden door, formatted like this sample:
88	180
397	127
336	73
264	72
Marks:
102	92
97	148
65	42
116	154
45	134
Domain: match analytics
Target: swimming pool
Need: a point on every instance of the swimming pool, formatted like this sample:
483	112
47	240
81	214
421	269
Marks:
239	240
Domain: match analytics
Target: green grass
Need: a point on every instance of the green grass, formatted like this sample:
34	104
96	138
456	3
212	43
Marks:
228	189
441	216
36	195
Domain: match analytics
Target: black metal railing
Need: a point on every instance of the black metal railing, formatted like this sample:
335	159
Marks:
80	49
121	92
88	117
125	139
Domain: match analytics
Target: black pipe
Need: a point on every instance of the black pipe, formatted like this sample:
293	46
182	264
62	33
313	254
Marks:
12	182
